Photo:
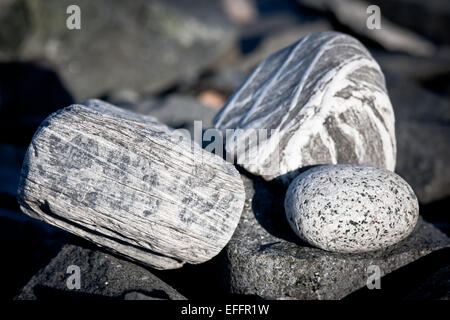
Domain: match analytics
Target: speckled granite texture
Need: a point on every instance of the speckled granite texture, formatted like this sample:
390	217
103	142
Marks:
351	208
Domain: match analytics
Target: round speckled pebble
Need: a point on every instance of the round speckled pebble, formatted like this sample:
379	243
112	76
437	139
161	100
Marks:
351	208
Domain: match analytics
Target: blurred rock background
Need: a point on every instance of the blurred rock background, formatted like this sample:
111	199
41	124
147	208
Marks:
180	60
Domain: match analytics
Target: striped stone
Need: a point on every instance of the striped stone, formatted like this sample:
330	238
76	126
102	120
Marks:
129	184
322	100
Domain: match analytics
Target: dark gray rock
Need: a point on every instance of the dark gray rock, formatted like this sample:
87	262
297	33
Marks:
434	14
15	23
353	15
140	45
10	166
423	135
272	39
225	80
265	258
412	103
102	276
426	69
423	158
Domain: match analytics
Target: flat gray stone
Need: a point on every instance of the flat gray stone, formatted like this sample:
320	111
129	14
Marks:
265	258
102	276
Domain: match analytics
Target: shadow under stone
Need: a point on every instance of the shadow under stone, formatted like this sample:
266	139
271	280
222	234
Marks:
268	207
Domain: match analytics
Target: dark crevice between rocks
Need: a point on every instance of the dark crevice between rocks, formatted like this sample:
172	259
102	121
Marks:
207	281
